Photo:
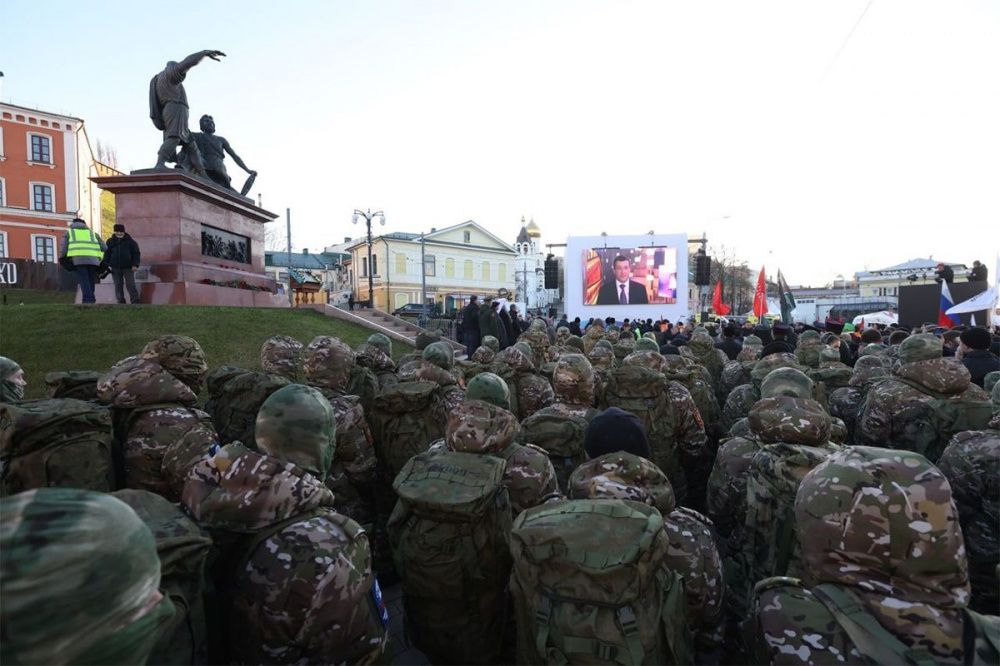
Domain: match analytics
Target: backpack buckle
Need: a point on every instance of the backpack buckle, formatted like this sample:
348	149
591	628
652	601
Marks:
544	610
626	618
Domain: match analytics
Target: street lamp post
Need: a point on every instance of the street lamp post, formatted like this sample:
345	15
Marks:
369	216
423	281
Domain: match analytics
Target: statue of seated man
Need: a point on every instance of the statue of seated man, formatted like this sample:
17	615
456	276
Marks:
213	149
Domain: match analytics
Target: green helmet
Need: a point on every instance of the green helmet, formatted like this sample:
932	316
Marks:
380	341
296	424
809	337
440	354
576	342
829	355
524	348
426	338
990	380
491	342
921	347
646	344
490	388
786	381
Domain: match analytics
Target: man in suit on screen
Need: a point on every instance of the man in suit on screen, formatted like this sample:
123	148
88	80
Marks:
621	290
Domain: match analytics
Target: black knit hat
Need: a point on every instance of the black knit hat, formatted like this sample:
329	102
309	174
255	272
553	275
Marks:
976	338
119	227
616	430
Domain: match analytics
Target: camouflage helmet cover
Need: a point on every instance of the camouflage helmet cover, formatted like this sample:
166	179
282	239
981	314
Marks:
490	388
647	344
786	381
490	342
920	347
179	355
328	362
476	426
296	424
573	380
769	363
380	341
280	354
623	475
440	354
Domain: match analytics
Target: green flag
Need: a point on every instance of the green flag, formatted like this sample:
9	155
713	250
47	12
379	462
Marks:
787	300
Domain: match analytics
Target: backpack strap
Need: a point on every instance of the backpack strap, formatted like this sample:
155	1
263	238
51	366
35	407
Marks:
872	639
979	630
920	387
626	621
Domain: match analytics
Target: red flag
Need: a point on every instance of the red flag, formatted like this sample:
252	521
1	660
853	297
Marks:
760	297
720	308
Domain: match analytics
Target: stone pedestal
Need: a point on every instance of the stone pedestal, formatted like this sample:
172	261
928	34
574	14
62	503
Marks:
200	245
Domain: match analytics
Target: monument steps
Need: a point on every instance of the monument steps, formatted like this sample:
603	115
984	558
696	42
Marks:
382	322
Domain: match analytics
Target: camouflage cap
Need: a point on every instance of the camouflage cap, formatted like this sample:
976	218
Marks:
380	341
752	341
327	362
786	381
491	342
990	380
524	348
426	338
490	388
605	344
652	360
80	578
612	336
622	475
809	337
279	355
440	354
179	355
883	520
829	355
296	424
872	348
701	341
920	347
573	380
651	336
562	335
647	344
769	363
477	426
538	324
9	391
868	368
576	342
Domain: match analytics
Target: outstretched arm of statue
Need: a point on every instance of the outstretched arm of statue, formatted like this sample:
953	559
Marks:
236	158
195	58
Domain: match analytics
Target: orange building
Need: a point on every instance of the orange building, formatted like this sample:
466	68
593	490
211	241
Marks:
45	167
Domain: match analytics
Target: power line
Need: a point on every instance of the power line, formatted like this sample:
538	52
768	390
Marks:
843	46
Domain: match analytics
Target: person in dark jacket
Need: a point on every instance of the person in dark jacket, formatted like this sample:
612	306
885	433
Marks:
729	344
780	333
978	272
509	335
122	257
974	348
574	327
470	326
943	272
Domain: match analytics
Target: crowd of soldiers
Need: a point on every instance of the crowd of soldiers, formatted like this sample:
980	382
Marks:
595	498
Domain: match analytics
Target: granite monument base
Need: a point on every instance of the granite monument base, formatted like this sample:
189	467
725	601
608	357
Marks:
200	244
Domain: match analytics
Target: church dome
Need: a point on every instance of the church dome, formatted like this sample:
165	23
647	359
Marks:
533	230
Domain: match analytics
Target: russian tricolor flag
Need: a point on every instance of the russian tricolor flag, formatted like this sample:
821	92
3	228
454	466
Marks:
945	320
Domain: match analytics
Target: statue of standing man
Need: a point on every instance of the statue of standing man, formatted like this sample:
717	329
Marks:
168	108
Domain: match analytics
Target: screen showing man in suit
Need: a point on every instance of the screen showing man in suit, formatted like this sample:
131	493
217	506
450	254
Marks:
630	276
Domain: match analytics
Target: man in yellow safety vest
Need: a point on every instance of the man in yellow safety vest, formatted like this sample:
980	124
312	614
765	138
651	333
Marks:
85	250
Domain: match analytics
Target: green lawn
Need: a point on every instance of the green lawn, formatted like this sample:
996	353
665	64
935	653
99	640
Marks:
43	338
35	296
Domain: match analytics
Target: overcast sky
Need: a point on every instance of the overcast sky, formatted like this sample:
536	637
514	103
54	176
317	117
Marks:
737	119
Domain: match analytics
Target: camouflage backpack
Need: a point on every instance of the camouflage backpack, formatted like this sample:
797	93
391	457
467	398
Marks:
58	442
182	548
561	436
405	423
79	384
643	392
450	533
928	426
591	586
234	403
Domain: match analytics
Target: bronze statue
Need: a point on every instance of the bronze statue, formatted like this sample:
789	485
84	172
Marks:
213	149
168	108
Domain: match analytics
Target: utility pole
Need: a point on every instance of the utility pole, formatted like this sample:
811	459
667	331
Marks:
288	231
423	280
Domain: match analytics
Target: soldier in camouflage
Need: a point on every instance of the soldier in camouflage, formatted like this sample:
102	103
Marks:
279	355
924	402
529	391
602	358
692	553
486	351
80	579
971	461
537	339
157	427
845	402
12	382
375	354
829	376
327	365
752	347
483	425
710	358
901	603
744	396
593	334
295	541
808	348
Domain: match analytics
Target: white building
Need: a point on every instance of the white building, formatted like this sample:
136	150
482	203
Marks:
529	284
885	282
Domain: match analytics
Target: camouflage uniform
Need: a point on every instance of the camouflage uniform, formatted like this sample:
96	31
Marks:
743	397
752	347
483	428
712	359
692	553
279	355
379	362
914	588
78	384
845	402
971	461
624	347
80	579
902	410
234	398
327	365
602	358
593	334
486	351
537	338
530	392
159	431
808	349
294	541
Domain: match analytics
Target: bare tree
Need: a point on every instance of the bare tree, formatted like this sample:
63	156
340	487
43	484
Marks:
106	154
274	240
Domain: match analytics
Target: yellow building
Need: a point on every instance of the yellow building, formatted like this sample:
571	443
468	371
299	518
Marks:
458	261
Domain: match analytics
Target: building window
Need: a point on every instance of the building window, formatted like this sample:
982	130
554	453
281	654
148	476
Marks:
467	236
449	267
41	197
364	266
44	248
430	265
41	148
467	269
375	265
2	153
486	271
502	273
400	263
3	244
3	192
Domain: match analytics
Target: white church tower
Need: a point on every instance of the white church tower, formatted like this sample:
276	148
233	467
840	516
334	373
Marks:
530	267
